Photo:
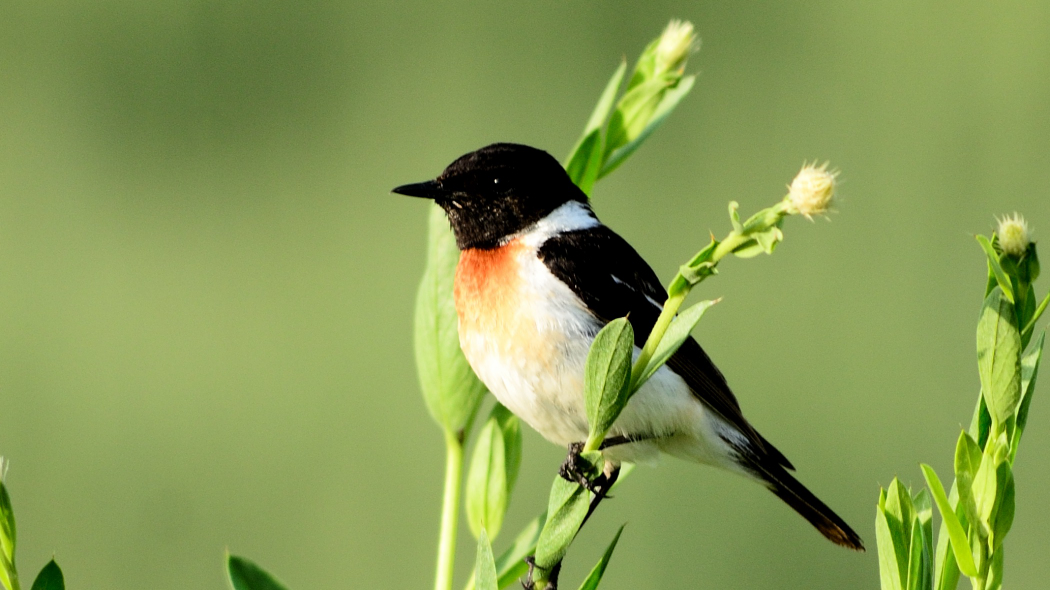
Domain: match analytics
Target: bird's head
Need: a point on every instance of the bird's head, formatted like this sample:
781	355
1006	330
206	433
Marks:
496	192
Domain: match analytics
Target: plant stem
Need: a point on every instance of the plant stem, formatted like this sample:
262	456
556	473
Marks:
449	511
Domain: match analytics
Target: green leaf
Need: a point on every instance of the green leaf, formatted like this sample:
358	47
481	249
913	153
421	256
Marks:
8	535
996	268
591	583
995	572
487	492
485	566
510	565
1029	372
510	427
999	356
967	463
984	492
1026	334
668	102
606	377
889	571
947	571
585	160
677	333
919	569
245	575
451	390
1004	514
50	578
899	515
960	544
567	508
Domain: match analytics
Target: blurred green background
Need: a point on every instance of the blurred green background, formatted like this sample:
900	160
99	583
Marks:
206	288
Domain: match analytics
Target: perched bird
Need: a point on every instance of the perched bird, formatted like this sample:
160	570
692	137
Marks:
538	277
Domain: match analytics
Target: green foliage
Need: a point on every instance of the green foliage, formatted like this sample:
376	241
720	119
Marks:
595	577
978	514
8	536
607	377
680	329
566	510
485	565
49	578
245	575
493	471
450	388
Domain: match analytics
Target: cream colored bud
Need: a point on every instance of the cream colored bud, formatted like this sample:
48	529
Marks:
676	43
812	190
1013	234
3	469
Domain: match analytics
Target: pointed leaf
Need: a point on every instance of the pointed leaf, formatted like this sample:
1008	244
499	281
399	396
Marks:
996	268
680	329
967	462
1004	514
889	571
899	516
670	100
607	374
567	508
999	356
8	535
450	388
486	488
1029	372
595	577
960	544
485	566
586	162
245	575
50	578
920	571
995	572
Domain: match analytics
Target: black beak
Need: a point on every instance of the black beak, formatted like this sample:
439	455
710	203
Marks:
430	189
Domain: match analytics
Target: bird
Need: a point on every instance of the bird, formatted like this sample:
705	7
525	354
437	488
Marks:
538	277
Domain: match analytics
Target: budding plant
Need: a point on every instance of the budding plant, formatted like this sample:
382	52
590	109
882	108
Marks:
625	116
978	512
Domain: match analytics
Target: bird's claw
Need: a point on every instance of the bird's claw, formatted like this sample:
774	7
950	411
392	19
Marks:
576	470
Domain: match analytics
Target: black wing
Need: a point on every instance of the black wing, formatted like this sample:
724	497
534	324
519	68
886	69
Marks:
614	281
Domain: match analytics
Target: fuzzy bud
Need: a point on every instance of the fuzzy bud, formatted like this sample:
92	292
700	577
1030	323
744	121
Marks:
812	190
1013	234
676	43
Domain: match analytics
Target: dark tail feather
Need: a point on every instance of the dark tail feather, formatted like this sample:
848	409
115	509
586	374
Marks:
788	489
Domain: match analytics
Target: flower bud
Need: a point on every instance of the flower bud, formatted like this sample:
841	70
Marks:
676	43
812	190
1013	234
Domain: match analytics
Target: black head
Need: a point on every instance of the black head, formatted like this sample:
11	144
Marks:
497	191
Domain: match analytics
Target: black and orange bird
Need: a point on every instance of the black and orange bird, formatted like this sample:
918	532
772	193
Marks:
539	275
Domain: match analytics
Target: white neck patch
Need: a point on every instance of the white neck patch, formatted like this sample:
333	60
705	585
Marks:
571	216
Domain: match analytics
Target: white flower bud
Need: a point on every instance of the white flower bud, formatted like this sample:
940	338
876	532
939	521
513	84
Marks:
676	43
1013	234
812	190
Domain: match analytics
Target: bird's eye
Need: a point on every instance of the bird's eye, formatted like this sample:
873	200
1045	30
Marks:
495	181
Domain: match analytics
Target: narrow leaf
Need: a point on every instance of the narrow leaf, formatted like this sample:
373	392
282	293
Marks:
245	575
485	566
919	571
1029	372
591	583
451	390
899	516
667	104
510	565
889	571
1004	514
567	508
960	544
50	578
676	334
967	463
998	356
996	268
486	488
606	377
586	162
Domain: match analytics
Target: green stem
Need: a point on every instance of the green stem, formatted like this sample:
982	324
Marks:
449	511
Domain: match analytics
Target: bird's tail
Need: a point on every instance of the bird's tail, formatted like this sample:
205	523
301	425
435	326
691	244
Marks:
791	491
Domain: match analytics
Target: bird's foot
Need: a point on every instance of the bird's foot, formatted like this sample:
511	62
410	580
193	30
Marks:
577	470
552	583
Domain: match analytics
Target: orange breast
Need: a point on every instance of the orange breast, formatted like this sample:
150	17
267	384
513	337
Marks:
487	288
